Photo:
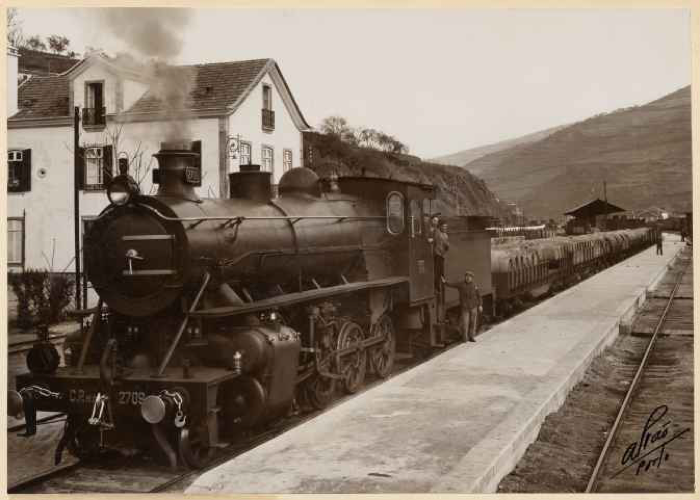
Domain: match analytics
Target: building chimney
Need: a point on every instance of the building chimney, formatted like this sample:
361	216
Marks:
12	80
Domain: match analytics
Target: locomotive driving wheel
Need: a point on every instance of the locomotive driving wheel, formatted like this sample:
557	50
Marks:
381	356
353	365
320	391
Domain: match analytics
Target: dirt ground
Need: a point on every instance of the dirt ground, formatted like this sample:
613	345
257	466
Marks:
570	440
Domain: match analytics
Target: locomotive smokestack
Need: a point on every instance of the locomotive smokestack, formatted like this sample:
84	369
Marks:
178	173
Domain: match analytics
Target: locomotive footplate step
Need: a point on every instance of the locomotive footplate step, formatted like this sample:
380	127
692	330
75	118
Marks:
459	422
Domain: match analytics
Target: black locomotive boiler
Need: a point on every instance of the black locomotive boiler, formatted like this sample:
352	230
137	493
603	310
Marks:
217	315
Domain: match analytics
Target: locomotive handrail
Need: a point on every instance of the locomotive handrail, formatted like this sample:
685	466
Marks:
241	218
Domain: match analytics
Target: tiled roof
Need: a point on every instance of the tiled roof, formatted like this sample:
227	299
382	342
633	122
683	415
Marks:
43	63
211	86
43	96
214	85
593	208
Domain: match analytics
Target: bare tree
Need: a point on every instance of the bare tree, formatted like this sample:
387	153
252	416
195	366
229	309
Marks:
139	168
338	126
58	43
15	35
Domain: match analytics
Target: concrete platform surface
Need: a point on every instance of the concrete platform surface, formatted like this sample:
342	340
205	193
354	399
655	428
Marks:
461	421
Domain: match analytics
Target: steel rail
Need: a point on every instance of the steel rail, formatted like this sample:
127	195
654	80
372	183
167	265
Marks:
592	482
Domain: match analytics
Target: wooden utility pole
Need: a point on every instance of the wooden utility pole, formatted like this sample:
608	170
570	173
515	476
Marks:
605	199
76	203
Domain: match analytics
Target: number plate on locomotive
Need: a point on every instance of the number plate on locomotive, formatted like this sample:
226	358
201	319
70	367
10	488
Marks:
79	396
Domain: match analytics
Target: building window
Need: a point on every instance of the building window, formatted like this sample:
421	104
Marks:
19	169
15	241
287	159
97	167
94	170
246	148
94	110
268	116
267	97
268	159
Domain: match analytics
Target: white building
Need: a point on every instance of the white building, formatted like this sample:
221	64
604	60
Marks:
244	102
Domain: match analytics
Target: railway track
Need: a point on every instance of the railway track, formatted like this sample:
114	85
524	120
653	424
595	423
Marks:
650	444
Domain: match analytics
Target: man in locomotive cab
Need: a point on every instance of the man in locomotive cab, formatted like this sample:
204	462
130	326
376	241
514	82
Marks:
470	304
441	245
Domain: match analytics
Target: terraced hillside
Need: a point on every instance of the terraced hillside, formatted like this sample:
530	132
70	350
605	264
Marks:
458	191
643	152
469	155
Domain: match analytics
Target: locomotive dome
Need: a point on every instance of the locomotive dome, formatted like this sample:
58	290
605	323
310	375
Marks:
300	180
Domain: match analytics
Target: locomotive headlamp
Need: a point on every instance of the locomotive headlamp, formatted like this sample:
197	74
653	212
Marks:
121	190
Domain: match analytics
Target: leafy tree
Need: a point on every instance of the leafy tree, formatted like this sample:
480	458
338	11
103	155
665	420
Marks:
58	43
35	43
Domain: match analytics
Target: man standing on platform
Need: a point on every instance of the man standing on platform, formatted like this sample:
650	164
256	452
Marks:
470	304
660	244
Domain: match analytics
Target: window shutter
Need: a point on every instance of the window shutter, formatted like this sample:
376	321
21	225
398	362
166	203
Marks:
107	164
197	148
81	168
26	182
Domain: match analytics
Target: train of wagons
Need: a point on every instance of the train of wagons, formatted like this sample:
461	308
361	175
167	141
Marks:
523	269
216	316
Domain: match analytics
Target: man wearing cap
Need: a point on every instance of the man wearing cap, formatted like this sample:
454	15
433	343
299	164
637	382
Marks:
441	245
470	302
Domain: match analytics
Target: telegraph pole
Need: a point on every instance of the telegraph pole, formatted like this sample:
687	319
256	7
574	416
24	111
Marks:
605	199
76	202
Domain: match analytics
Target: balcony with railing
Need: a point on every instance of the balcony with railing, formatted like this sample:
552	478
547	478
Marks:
268	119
94	117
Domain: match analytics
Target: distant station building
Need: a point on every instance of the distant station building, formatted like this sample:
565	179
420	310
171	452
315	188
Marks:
590	216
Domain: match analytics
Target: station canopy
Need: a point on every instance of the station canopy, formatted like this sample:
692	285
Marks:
593	208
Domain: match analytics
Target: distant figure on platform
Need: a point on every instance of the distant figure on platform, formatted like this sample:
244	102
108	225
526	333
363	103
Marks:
682	234
660	244
470	304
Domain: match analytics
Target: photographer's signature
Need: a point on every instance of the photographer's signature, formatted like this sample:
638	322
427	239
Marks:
650	449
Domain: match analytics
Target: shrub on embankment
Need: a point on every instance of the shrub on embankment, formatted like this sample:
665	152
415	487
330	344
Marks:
42	297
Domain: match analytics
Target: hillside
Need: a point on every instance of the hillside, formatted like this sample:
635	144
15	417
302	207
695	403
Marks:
643	152
469	155
458	191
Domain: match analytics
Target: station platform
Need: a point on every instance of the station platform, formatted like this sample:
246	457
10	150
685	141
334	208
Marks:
461	421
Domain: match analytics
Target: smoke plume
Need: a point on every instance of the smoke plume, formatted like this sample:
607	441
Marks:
154	37
150	32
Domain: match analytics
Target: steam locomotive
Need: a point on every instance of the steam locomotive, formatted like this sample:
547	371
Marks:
219	315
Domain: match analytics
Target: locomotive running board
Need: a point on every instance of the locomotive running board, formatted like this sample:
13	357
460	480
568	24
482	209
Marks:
294	298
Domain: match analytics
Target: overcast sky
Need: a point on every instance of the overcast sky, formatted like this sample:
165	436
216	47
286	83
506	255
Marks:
438	80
